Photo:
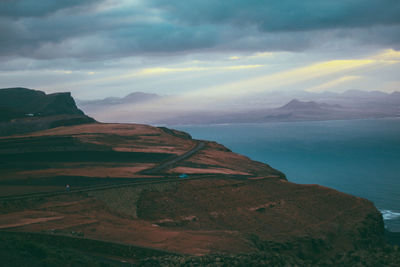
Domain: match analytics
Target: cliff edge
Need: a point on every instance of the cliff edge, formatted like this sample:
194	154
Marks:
25	110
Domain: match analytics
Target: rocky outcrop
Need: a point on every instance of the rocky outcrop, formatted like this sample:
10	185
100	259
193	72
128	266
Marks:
30	103
24	110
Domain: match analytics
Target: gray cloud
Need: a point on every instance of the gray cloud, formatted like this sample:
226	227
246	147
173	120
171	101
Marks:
284	15
50	29
34	8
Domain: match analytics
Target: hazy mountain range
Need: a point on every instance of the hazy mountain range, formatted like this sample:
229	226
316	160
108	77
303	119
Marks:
133	98
267	107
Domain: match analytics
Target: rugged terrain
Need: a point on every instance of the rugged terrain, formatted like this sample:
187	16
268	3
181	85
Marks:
97	153
228	203
24	110
129	201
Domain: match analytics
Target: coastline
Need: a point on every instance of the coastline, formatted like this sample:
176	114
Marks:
276	144
172	125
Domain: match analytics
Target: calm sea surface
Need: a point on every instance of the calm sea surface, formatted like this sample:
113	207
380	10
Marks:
360	157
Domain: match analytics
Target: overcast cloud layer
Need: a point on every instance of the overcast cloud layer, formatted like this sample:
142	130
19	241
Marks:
92	29
98	48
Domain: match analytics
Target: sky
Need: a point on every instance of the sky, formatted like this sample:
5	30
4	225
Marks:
200	51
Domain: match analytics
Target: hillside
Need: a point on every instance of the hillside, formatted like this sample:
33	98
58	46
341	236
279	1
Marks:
84	154
137	186
227	204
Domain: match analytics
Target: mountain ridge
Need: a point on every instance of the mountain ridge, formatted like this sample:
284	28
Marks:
264	107
38	103
296	104
25	110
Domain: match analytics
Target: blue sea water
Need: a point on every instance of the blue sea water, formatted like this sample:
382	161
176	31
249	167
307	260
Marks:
360	157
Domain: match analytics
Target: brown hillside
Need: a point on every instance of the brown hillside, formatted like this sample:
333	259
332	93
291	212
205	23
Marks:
92	154
228	204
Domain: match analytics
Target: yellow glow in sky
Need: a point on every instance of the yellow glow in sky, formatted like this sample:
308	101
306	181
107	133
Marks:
323	75
388	55
242	67
332	83
289	77
160	70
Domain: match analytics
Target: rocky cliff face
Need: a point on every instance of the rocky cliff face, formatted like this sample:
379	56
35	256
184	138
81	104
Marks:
29	102
24	110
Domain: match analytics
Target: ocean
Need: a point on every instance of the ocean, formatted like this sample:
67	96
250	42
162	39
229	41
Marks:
359	157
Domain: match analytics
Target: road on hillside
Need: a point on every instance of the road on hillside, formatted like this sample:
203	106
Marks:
200	145
156	169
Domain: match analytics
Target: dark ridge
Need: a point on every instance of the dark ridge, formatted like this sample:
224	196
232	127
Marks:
75	181
132	98
84	156
25	110
36	103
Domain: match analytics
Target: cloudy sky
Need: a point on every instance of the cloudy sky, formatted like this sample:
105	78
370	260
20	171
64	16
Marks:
208	49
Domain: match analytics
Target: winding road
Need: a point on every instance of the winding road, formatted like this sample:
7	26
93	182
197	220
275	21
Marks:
155	170
200	145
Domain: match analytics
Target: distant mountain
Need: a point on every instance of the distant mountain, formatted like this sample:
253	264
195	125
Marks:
90	106
300	105
294	110
139	97
134	97
358	105
307	105
395	94
260	107
297	110
25	110
364	94
354	98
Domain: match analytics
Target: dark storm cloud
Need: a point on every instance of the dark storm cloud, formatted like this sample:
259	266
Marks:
37	8
49	29
116	32
285	15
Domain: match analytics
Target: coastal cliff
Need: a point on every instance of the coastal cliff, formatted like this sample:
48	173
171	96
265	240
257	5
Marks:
144	186
25	110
